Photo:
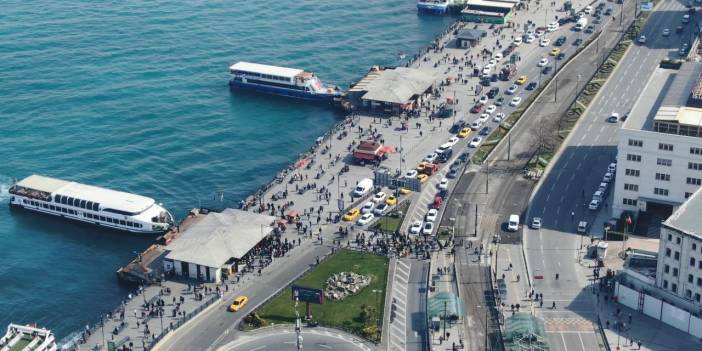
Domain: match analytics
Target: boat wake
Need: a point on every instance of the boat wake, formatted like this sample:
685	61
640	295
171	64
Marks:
5	190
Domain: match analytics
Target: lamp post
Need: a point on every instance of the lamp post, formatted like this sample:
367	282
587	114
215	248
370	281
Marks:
298	327
444	333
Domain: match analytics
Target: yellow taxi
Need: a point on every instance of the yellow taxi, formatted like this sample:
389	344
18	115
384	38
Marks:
238	303
352	214
391	200
521	80
555	52
423	178
421	167
403	191
464	133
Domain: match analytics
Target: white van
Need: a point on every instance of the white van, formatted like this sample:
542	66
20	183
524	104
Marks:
364	186
686	18
513	223
582	227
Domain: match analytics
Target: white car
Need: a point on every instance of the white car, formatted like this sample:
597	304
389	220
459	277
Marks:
613	118
379	197
607	177
544	42
666	32
612	167
513	89
411	174
530	38
415	227
538	34
490	109
475	125
588	9
431	215
498	117
497	57
483	100
380	209
517	41
431	157
443	184
543	62
492	62
513	223
642	39
484	118
428	228
553	26
594	204
365	219
536	223
582	227
475	142
368	207
515	101
453	140
487	70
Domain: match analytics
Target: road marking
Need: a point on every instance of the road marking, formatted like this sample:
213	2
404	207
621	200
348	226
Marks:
329	347
564	342
548	197
259	348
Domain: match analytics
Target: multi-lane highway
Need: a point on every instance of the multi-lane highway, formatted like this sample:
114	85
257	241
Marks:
561	199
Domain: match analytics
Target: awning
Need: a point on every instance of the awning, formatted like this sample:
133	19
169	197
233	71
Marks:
363	156
293	213
387	149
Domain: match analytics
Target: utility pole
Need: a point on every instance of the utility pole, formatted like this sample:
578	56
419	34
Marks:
476	220
298	328
445	302
454	106
509	144
487	176
555	77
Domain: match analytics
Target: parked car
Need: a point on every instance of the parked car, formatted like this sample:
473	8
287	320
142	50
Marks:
464	132
379	197
431	215
500	101
613	118
392	200
380	209
484	131
368	207
532	86
512	89
546	70
513	223
456	127
443	184
365	219
415	227
490	109
476	108
498	117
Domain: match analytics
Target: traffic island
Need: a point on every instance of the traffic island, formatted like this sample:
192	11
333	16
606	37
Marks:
359	312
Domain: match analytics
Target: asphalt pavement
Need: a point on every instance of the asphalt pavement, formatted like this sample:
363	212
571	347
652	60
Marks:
561	198
282	339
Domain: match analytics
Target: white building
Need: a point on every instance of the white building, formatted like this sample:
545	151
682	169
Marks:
659	160
215	243
679	269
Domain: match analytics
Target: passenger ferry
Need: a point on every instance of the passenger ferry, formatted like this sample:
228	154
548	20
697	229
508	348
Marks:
290	82
433	6
27	338
90	204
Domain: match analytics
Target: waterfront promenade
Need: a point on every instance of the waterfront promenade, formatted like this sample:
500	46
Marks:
325	186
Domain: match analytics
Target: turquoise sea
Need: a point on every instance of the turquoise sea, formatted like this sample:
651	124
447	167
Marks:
133	95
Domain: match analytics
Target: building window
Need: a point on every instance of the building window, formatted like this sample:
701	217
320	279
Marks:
667	252
699	281
674	287
633	158
692	261
697	297
629	202
694	166
637	143
693	150
694	246
632	172
676	256
675	272
687	195
690	278
666	269
665	284
699	264
670	237
664	162
665	147
631	187
688	294
694	181
661	192
677	240
663	176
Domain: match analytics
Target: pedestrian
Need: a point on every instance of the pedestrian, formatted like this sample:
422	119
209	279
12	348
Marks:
639	344
630	317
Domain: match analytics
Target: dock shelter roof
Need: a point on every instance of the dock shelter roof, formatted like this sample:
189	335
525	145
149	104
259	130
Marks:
471	34
220	236
398	85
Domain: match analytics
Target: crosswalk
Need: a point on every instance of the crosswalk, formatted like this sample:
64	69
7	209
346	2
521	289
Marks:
398	315
568	325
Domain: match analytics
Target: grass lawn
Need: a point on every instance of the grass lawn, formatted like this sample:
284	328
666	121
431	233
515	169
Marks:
388	224
343	314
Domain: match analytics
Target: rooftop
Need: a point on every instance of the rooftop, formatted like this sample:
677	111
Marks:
397	85
107	198
219	237
665	99
265	69
497	3
471	34
687	217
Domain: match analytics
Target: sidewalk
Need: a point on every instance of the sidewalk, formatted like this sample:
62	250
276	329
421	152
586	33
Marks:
509	268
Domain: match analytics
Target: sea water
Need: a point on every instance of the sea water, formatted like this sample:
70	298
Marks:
133	95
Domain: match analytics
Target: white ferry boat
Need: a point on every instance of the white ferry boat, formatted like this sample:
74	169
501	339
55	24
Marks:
27	338
433	6
90	204
290	82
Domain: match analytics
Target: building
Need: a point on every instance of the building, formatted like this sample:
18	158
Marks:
469	37
659	160
215	243
488	11
679	269
391	90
